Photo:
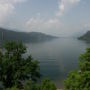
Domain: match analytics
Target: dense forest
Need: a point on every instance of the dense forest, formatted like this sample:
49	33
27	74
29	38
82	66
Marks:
85	37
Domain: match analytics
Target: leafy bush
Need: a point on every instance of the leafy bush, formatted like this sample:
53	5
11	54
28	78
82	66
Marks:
80	80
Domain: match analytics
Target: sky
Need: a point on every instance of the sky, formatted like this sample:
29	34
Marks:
55	17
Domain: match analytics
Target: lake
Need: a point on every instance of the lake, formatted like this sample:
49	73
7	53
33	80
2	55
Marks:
57	57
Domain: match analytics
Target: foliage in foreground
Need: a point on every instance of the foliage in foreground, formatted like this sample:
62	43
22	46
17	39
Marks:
48	85
14	69
80	80
30	85
19	73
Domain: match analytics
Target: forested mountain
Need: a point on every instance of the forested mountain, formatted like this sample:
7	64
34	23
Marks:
85	37
7	35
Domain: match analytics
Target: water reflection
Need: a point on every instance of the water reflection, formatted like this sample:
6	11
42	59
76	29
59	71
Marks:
58	57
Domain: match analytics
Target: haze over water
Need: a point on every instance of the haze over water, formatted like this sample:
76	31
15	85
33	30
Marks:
57	57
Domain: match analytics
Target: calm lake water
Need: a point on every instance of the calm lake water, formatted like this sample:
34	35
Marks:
57	57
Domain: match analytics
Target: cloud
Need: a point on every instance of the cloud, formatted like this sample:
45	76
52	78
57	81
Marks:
6	8
66	5
18	1
41	24
51	24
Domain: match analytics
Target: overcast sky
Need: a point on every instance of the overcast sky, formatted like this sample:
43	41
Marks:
56	17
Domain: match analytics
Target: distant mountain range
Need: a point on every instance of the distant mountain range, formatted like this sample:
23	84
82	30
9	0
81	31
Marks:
85	37
9	35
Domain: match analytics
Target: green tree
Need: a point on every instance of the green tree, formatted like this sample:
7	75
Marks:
80	80
47	85
14	68
84	61
30	85
13	88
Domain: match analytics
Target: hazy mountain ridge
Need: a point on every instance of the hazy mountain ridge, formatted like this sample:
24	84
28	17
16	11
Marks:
86	36
24	36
